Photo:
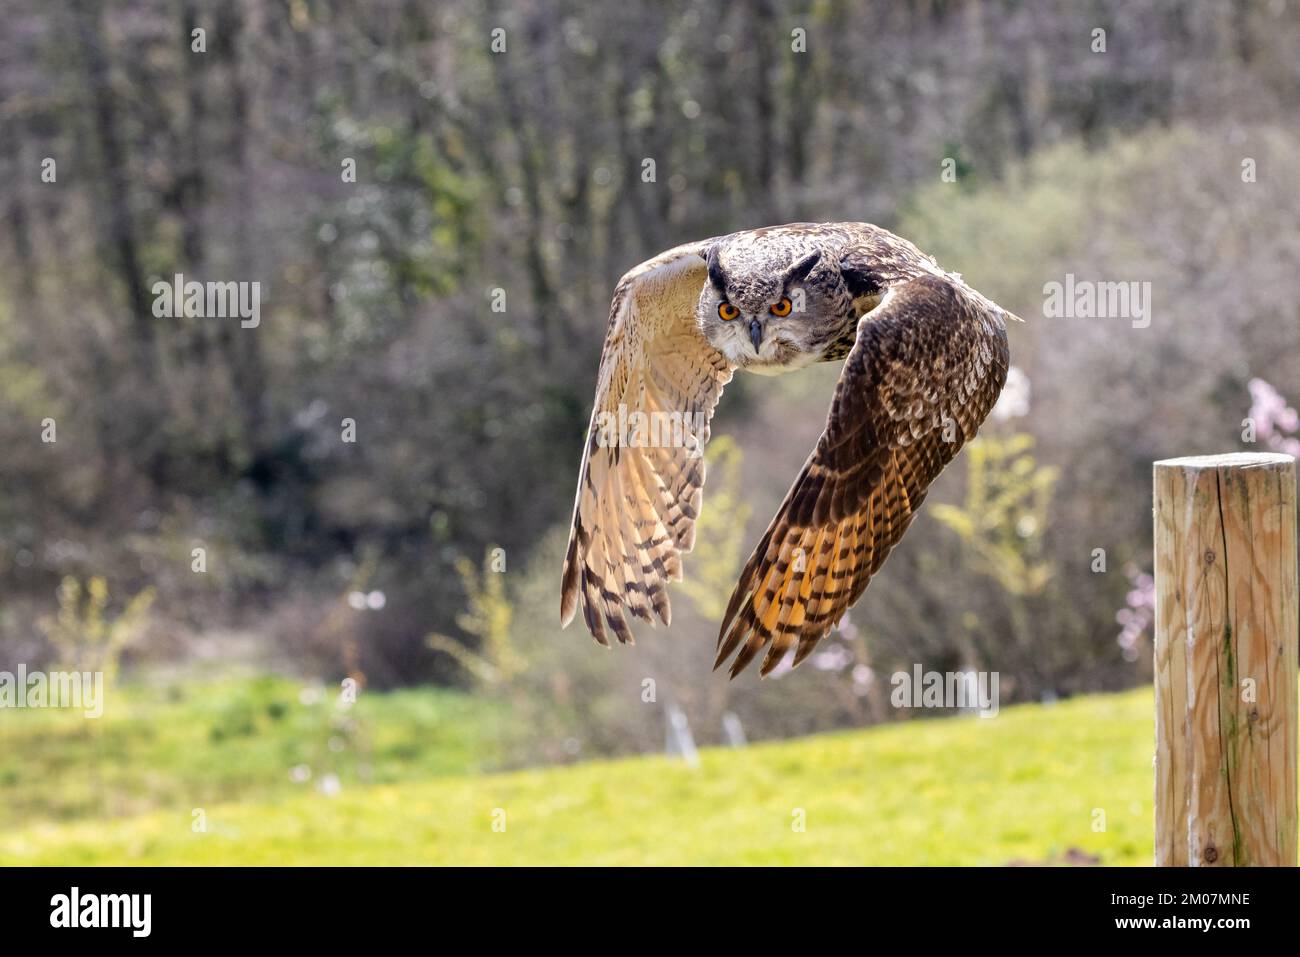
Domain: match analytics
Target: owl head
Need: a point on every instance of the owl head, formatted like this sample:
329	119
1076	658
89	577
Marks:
770	304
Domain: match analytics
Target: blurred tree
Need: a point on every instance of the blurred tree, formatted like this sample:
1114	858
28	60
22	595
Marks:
520	178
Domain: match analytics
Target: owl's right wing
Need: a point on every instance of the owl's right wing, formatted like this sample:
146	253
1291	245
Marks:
636	503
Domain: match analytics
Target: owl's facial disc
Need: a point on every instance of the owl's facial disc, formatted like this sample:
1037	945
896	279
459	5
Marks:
759	308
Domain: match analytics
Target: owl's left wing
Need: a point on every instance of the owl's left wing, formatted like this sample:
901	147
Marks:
636	504
926	369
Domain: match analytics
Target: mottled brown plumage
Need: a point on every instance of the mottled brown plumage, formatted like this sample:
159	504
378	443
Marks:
926	359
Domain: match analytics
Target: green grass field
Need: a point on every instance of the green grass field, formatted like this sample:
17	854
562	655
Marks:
188	743
1027	786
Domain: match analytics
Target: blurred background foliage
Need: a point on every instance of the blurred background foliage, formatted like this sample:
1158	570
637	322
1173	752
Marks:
521	172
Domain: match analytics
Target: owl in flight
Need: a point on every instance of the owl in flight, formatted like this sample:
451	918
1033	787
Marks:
924	355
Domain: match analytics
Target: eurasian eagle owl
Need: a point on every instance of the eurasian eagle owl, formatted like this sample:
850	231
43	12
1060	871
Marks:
925	357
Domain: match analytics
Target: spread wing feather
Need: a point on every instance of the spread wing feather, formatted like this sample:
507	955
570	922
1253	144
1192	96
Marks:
926	368
635	510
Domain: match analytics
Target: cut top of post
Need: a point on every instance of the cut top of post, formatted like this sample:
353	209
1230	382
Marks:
1240	460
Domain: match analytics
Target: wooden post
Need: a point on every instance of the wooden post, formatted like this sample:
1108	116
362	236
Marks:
1226	639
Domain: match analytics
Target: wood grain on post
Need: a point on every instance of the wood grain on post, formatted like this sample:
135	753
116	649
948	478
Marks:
1226	638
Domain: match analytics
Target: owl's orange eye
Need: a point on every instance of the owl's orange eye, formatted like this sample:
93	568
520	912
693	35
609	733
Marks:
727	311
781	308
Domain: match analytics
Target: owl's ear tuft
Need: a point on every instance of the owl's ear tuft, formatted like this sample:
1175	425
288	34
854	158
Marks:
716	275
800	270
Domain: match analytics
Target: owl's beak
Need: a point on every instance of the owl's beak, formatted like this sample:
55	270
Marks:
755	333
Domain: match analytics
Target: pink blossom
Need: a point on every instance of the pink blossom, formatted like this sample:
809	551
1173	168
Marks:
1275	421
